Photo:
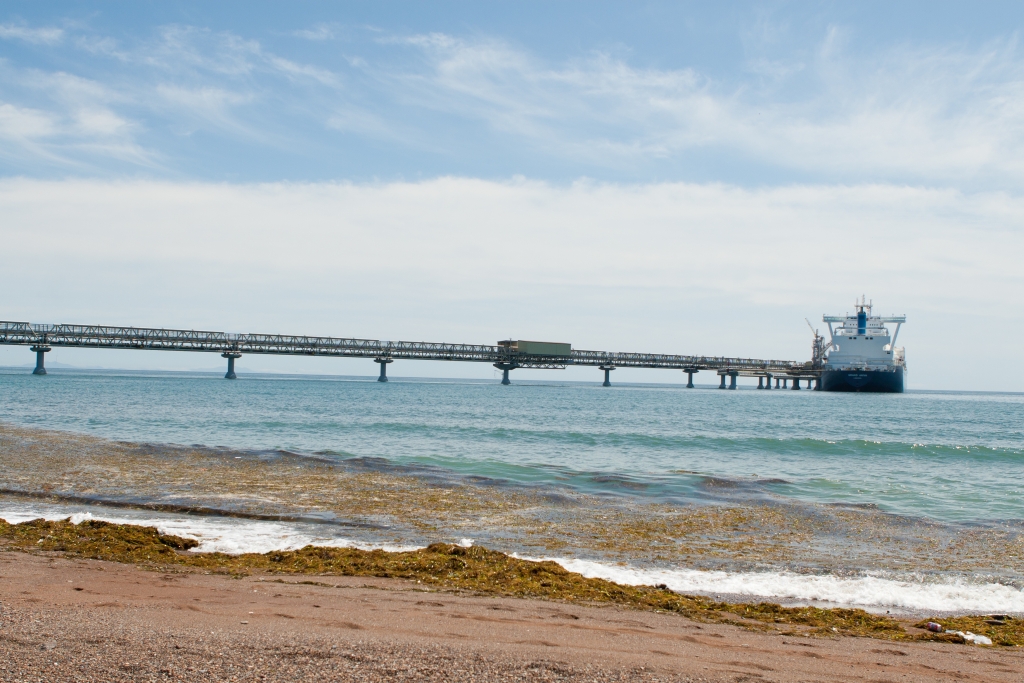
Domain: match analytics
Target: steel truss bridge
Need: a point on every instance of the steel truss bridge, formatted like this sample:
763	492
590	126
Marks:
41	338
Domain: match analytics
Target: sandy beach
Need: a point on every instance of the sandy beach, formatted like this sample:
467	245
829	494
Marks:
87	620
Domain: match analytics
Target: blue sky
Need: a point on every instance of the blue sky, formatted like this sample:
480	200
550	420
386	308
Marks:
752	94
661	175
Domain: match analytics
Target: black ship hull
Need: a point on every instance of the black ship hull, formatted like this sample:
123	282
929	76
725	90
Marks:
873	381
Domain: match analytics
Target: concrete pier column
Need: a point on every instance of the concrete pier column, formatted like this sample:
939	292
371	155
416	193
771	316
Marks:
40	362
505	367
760	382
732	380
689	377
722	385
383	368
784	382
607	375
796	383
768	384
817	383
231	356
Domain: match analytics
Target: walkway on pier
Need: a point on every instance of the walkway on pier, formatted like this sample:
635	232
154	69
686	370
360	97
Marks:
41	338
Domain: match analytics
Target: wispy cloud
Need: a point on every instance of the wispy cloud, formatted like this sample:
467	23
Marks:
190	78
102	45
22	124
318	32
38	36
182	48
209	104
933	114
77	127
925	114
302	72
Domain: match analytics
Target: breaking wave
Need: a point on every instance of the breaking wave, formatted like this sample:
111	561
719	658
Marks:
874	591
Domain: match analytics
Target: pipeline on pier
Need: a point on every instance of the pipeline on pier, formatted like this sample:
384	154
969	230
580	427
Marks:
505	355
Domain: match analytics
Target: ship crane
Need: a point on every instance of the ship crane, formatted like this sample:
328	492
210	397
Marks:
818	346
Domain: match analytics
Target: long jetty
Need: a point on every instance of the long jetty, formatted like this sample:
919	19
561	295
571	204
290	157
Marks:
505	356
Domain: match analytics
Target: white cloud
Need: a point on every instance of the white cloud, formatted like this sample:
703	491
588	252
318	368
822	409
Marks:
105	45
203	55
931	113
37	36
203	98
317	32
87	108
214	107
77	126
666	267
20	123
939	115
184	48
302	72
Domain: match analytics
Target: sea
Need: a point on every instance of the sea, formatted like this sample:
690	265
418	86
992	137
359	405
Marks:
903	503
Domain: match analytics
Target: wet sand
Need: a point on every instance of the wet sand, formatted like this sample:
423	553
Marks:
87	620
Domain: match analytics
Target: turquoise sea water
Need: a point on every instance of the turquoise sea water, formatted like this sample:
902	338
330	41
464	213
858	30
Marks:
947	456
911	501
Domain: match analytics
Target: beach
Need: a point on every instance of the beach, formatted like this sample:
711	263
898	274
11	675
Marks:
322	529
511	342
87	620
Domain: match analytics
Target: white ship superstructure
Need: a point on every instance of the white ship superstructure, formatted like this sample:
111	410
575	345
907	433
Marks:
861	355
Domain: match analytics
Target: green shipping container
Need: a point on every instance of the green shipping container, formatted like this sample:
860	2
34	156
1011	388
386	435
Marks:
538	348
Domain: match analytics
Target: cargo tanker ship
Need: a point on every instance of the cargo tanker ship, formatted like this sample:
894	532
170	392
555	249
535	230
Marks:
861	356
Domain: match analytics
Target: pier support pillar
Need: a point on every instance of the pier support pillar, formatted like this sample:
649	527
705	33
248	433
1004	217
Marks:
732	380
40	363
768	384
760	382
796	383
607	375
785	382
689	378
505	367
383	368
231	356
722	385
817	383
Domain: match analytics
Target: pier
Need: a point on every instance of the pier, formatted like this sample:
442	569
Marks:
506	355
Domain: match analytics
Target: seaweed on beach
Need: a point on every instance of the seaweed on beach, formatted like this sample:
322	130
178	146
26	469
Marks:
477	569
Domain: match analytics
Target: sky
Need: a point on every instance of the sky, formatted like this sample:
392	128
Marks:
663	177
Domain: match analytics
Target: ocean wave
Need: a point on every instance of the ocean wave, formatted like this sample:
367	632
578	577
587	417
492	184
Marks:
880	446
871	591
232	536
874	592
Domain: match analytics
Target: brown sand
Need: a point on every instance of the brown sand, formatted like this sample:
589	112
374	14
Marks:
86	620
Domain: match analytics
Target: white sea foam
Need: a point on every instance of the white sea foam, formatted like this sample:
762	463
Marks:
874	592
215	534
871	591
